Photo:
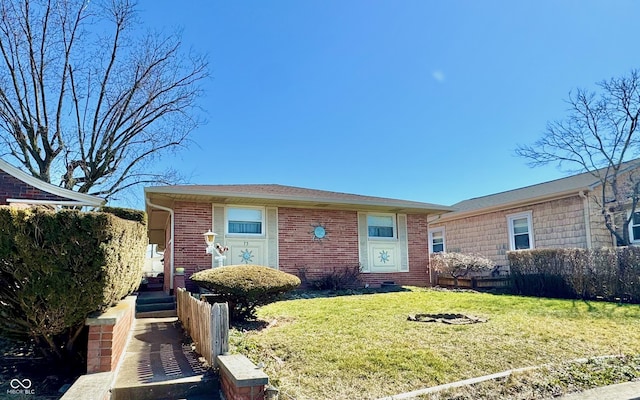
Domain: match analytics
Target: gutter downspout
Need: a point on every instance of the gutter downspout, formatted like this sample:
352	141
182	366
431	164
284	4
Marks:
170	211
587	216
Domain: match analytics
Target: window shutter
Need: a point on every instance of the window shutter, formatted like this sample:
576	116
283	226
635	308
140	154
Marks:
363	247
403	242
218	222
272	237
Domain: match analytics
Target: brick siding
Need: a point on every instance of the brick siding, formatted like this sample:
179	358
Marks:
13	188
298	248
192	220
108	334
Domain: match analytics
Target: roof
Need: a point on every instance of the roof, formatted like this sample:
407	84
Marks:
69	197
281	195
269	195
546	191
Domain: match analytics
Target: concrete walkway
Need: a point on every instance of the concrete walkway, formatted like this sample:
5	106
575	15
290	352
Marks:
157	365
621	391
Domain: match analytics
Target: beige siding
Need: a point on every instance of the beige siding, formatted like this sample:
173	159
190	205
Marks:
556	224
600	235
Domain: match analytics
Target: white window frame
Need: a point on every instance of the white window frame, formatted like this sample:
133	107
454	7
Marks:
394	219
444	240
631	225
262	222
512	240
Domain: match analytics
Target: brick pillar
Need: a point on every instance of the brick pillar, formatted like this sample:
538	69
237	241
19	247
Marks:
108	333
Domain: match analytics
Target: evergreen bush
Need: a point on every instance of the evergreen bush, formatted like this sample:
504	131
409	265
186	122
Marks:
58	267
245	287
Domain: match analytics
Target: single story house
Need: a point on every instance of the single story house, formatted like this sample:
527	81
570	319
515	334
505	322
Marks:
20	189
563	213
291	228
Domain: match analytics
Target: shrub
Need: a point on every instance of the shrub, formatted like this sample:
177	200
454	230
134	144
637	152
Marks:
459	265
58	267
126	214
245	287
607	273
338	278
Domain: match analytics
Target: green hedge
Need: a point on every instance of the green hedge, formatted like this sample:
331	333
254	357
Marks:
245	287
58	267
610	273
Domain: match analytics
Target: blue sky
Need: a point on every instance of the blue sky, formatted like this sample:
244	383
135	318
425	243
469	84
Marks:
417	100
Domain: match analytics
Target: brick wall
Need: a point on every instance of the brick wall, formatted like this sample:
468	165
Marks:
108	334
192	220
13	188
233	392
297	247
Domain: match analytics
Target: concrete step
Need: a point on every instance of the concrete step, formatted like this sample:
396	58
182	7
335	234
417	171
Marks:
157	314
201	387
158	298
155	307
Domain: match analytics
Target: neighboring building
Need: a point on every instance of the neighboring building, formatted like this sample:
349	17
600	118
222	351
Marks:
290	228
563	213
20	189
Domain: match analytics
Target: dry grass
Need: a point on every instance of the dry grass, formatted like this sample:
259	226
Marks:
363	347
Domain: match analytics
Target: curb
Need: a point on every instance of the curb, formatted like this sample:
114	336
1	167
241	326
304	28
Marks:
471	381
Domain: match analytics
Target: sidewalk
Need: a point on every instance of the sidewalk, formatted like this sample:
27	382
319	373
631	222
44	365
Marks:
157	365
621	391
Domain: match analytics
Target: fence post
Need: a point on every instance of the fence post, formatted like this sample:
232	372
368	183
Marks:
219	330
224	328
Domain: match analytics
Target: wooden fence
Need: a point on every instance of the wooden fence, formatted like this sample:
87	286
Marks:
207	324
480	283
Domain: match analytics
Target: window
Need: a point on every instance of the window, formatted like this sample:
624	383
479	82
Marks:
381	226
520	232
245	221
634	227
436	240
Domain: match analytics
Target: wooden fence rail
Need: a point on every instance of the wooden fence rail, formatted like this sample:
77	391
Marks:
207	324
484	282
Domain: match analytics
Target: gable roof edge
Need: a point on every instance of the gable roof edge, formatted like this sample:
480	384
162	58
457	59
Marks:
519	203
80	198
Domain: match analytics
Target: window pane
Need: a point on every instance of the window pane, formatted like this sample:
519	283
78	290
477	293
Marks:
636	233
521	242
244	220
636	218
244	214
438	247
380	226
380	231
245	227
380	220
520	225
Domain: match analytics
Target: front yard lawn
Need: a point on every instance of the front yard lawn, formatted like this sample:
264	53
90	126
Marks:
363	346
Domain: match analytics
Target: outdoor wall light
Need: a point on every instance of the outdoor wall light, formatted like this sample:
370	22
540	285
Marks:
215	248
210	239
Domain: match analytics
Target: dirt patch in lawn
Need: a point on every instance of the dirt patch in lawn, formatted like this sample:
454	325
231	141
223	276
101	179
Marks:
447	318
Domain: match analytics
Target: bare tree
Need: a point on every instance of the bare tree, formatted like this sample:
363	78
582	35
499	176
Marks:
88	100
599	136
